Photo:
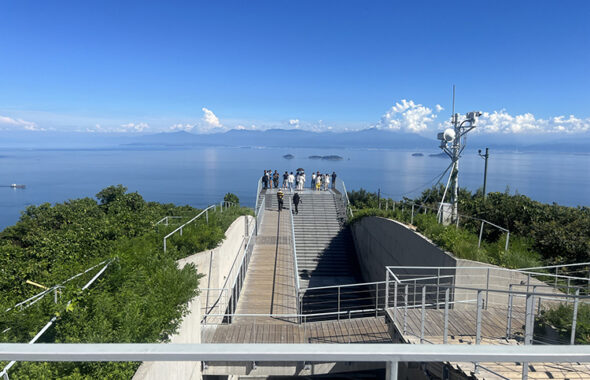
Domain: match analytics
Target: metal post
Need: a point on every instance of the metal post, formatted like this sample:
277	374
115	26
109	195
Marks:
478	318
480	234
55	295
412	218
395	302
376	298
207	216
556	270
507	240
406	310
487	289
338	303
221	207
180	231
386	289
391	371
437	286
164	244
575	317
414	293
528	330
423	316
509	317
446	320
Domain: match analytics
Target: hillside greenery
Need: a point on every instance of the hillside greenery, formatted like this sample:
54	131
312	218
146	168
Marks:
142	295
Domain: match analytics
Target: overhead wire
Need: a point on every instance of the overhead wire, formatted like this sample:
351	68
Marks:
438	178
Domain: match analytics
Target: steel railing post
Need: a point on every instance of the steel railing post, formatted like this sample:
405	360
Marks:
412	218
206	216
376	298
487	289
509	313
423	315
478	317
339	303
437	286
446	317
391	370
395	302
575	317
386	302
406	309
480	235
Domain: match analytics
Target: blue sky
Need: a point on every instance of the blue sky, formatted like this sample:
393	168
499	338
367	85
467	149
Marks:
142	66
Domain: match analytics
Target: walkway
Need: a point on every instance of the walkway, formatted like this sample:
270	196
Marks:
269	287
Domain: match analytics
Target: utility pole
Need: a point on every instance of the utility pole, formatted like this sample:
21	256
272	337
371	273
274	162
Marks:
452	145
485	171
379	198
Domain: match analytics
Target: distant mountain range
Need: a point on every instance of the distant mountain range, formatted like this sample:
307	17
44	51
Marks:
292	138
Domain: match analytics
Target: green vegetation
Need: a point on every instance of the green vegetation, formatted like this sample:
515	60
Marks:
140	298
539	233
560	319
230	197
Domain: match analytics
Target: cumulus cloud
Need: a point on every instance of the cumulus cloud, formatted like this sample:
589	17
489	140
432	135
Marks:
210	119
408	116
503	122
294	123
182	127
9	122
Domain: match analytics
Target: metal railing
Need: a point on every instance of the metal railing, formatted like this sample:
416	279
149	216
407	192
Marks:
295	265
390	354
228	298
179	229
4	372
341	187
55	289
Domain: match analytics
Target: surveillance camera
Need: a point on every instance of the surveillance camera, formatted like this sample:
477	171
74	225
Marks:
479	151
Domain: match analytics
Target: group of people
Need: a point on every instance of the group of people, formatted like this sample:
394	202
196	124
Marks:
296	181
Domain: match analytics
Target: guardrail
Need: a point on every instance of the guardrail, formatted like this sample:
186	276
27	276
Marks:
341	187
237	273
4	372
179	229
295	265
391	354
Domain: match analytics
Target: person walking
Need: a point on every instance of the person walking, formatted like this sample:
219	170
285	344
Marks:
318	182
333	180
291	181
313	178
280	197
326	181
285	180
269	178
275	179
296	201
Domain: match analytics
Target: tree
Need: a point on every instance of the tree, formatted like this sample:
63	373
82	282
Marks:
109	194
230	197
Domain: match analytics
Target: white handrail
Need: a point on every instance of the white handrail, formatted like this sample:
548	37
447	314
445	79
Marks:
295	265
205	211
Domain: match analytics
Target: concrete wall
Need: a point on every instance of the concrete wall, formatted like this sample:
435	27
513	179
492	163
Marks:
215	265
382	242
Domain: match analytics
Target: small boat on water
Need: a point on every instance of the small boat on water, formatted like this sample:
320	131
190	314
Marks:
17	186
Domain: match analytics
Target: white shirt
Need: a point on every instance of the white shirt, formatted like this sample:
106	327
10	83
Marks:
291	178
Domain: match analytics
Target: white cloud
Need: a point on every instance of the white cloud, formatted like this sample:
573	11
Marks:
503	122
408	116
134	127
19	123
438	108
294	123
182	127
210	119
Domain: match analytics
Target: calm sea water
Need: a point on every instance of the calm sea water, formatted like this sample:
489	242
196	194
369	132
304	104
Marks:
199	177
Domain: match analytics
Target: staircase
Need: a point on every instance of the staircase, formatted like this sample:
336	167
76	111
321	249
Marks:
325	251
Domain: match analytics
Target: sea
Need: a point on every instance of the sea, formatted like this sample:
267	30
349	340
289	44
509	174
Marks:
202	176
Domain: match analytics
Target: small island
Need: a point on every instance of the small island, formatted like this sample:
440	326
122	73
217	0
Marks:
328	158
288	156
417	155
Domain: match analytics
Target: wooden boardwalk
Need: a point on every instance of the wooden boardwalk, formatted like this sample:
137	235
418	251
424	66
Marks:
359	330
269	287
493	331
